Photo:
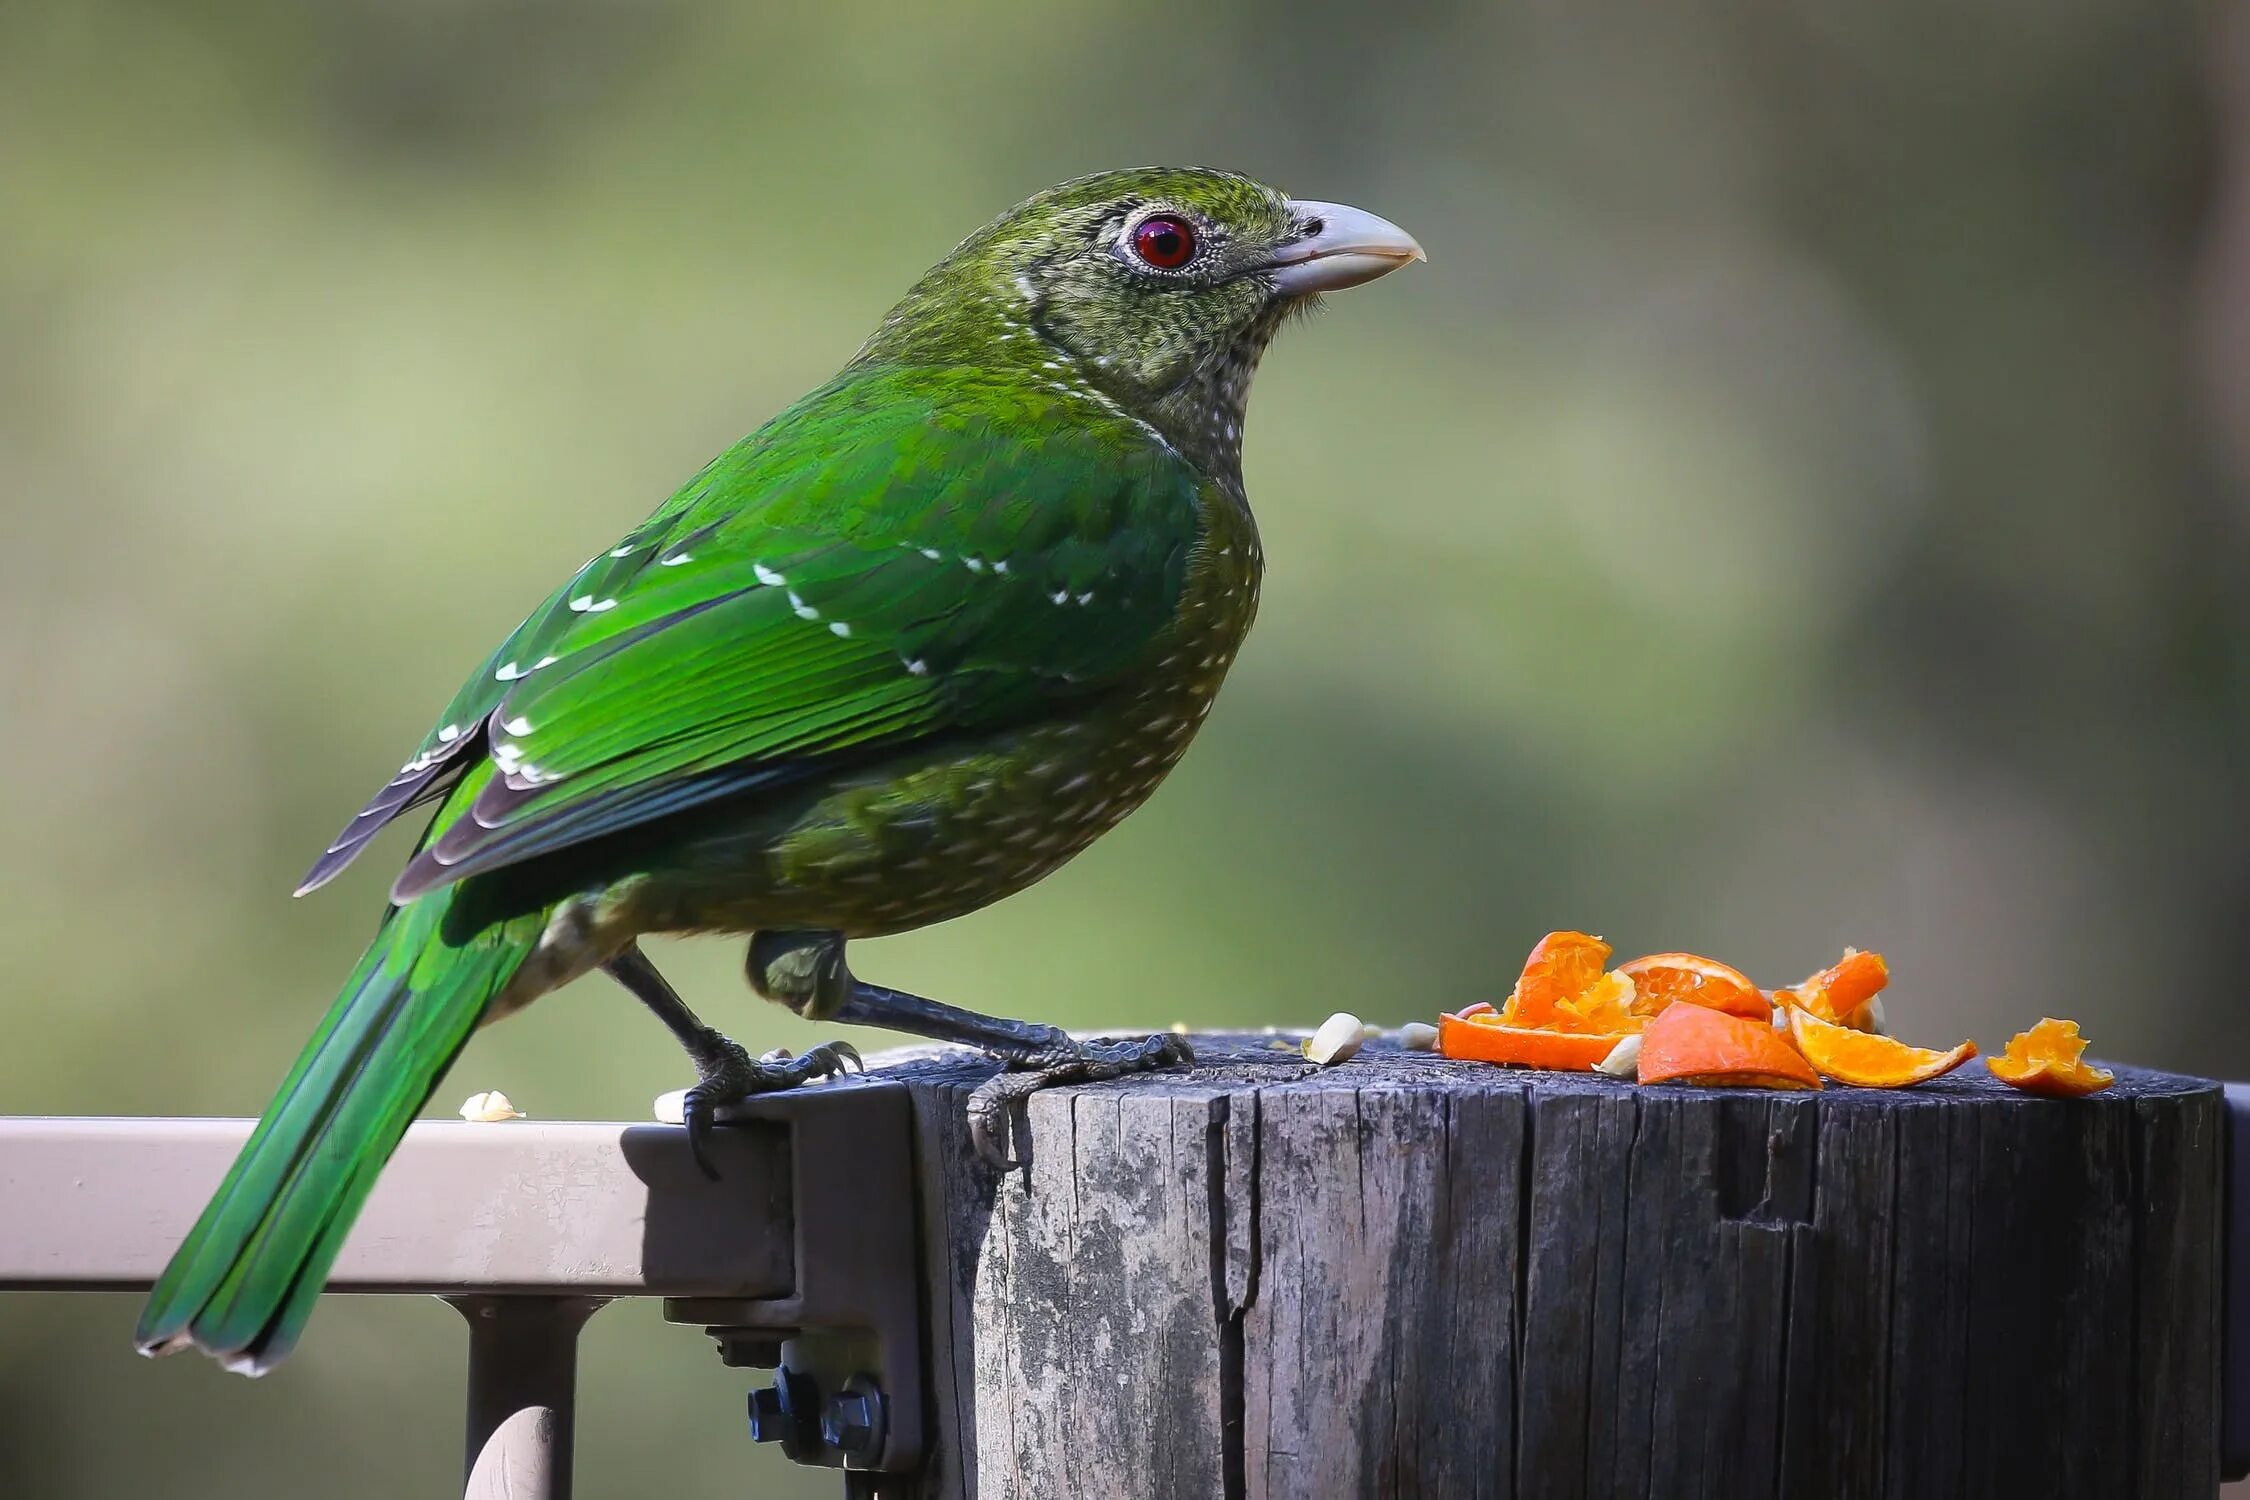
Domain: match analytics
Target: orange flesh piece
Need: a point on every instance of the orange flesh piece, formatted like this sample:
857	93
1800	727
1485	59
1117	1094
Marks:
2048	1059
1662	978
1605	1006
1695	1044
1483	1038
1562	966
1866	1060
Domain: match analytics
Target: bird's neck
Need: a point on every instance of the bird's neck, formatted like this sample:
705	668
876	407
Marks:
1200	418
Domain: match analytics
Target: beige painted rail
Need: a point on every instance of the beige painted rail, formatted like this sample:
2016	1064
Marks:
527	1228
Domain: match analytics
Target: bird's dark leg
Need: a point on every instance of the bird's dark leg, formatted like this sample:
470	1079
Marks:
724	1071
806	972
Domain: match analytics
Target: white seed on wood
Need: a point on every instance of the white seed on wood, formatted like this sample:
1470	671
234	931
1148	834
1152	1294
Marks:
671	1108
1418	1036
489	1108
1624	1060
1337	1039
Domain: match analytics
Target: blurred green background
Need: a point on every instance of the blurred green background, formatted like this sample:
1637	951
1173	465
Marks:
1800	503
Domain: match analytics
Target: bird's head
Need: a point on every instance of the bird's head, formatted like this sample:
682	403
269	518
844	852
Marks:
1158	286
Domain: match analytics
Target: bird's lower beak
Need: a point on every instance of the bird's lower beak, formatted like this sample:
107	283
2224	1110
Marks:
1338	246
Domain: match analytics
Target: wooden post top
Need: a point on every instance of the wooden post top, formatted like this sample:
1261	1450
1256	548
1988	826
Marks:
1408	1275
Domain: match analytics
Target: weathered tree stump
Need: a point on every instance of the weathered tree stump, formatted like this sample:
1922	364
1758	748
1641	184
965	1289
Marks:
1406	1276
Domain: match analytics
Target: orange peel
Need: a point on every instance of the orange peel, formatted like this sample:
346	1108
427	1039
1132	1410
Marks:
1485	1038
1865	1060
1696	1044
2049	1059
1842	991
1561	967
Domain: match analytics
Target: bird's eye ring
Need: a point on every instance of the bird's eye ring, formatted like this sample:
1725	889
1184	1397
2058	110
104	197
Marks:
1164	241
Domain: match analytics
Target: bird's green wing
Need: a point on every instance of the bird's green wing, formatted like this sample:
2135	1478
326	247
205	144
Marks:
905	554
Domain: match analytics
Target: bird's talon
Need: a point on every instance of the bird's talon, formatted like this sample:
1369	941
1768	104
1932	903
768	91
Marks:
697	1114
730	1075
990	1107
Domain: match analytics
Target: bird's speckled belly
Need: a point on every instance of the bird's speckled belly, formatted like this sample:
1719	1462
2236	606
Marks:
950	828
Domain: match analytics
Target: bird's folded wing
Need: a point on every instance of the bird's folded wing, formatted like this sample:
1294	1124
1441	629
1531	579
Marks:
874	568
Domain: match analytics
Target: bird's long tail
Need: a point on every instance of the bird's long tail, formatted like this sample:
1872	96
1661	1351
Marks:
242	1284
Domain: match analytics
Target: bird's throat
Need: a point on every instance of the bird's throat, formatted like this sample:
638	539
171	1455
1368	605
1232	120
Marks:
1202	417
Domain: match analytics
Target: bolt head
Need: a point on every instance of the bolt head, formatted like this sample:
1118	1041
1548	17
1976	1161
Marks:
769	1417
852	1423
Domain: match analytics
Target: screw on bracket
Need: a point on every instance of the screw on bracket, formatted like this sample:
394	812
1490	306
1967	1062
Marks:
852	1421
784	1413
853	1307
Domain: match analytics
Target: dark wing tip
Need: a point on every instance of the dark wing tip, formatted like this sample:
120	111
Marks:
422	875
412	787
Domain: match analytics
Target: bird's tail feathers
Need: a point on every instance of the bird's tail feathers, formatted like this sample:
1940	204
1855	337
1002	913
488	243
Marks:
242	1284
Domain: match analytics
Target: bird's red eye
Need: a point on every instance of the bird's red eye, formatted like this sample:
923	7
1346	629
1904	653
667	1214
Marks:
1164	242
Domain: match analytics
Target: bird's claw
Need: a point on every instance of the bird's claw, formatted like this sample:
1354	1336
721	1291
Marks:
727	1074
1063	1062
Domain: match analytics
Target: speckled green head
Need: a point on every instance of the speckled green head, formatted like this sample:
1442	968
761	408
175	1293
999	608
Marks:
1160	286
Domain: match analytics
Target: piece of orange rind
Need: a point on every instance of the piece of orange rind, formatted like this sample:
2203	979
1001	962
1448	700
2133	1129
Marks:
1866	1060
1698	1045
2048	1059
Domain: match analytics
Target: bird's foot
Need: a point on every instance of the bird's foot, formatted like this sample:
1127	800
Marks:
1056	1059
727	1074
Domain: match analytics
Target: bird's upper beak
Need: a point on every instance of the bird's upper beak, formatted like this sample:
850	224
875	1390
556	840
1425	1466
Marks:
1338	246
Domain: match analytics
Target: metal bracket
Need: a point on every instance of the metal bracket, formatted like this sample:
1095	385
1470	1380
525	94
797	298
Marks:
846	1339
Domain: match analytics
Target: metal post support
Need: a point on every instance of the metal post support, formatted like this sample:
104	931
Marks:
523	1381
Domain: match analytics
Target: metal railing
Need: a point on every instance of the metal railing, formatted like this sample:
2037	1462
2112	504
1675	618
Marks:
528	1227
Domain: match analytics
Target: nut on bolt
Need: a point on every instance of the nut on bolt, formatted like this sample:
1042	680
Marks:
852	1421
783	1413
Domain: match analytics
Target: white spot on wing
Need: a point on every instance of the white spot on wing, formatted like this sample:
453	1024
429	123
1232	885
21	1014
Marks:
767	576
517	725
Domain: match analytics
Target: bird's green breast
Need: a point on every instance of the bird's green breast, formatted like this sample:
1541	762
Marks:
944	828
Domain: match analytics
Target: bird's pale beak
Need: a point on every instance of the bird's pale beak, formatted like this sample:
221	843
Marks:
1338	246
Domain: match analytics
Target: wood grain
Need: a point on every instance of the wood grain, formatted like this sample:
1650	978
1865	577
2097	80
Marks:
1405	1276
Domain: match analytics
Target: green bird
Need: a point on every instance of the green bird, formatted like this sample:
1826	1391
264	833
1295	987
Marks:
901	652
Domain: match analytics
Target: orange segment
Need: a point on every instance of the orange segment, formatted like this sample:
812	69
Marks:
1484	1039
2048	1059
1606	1005
1869	1061
1695	1044
1841	991
1562	966
1662	978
